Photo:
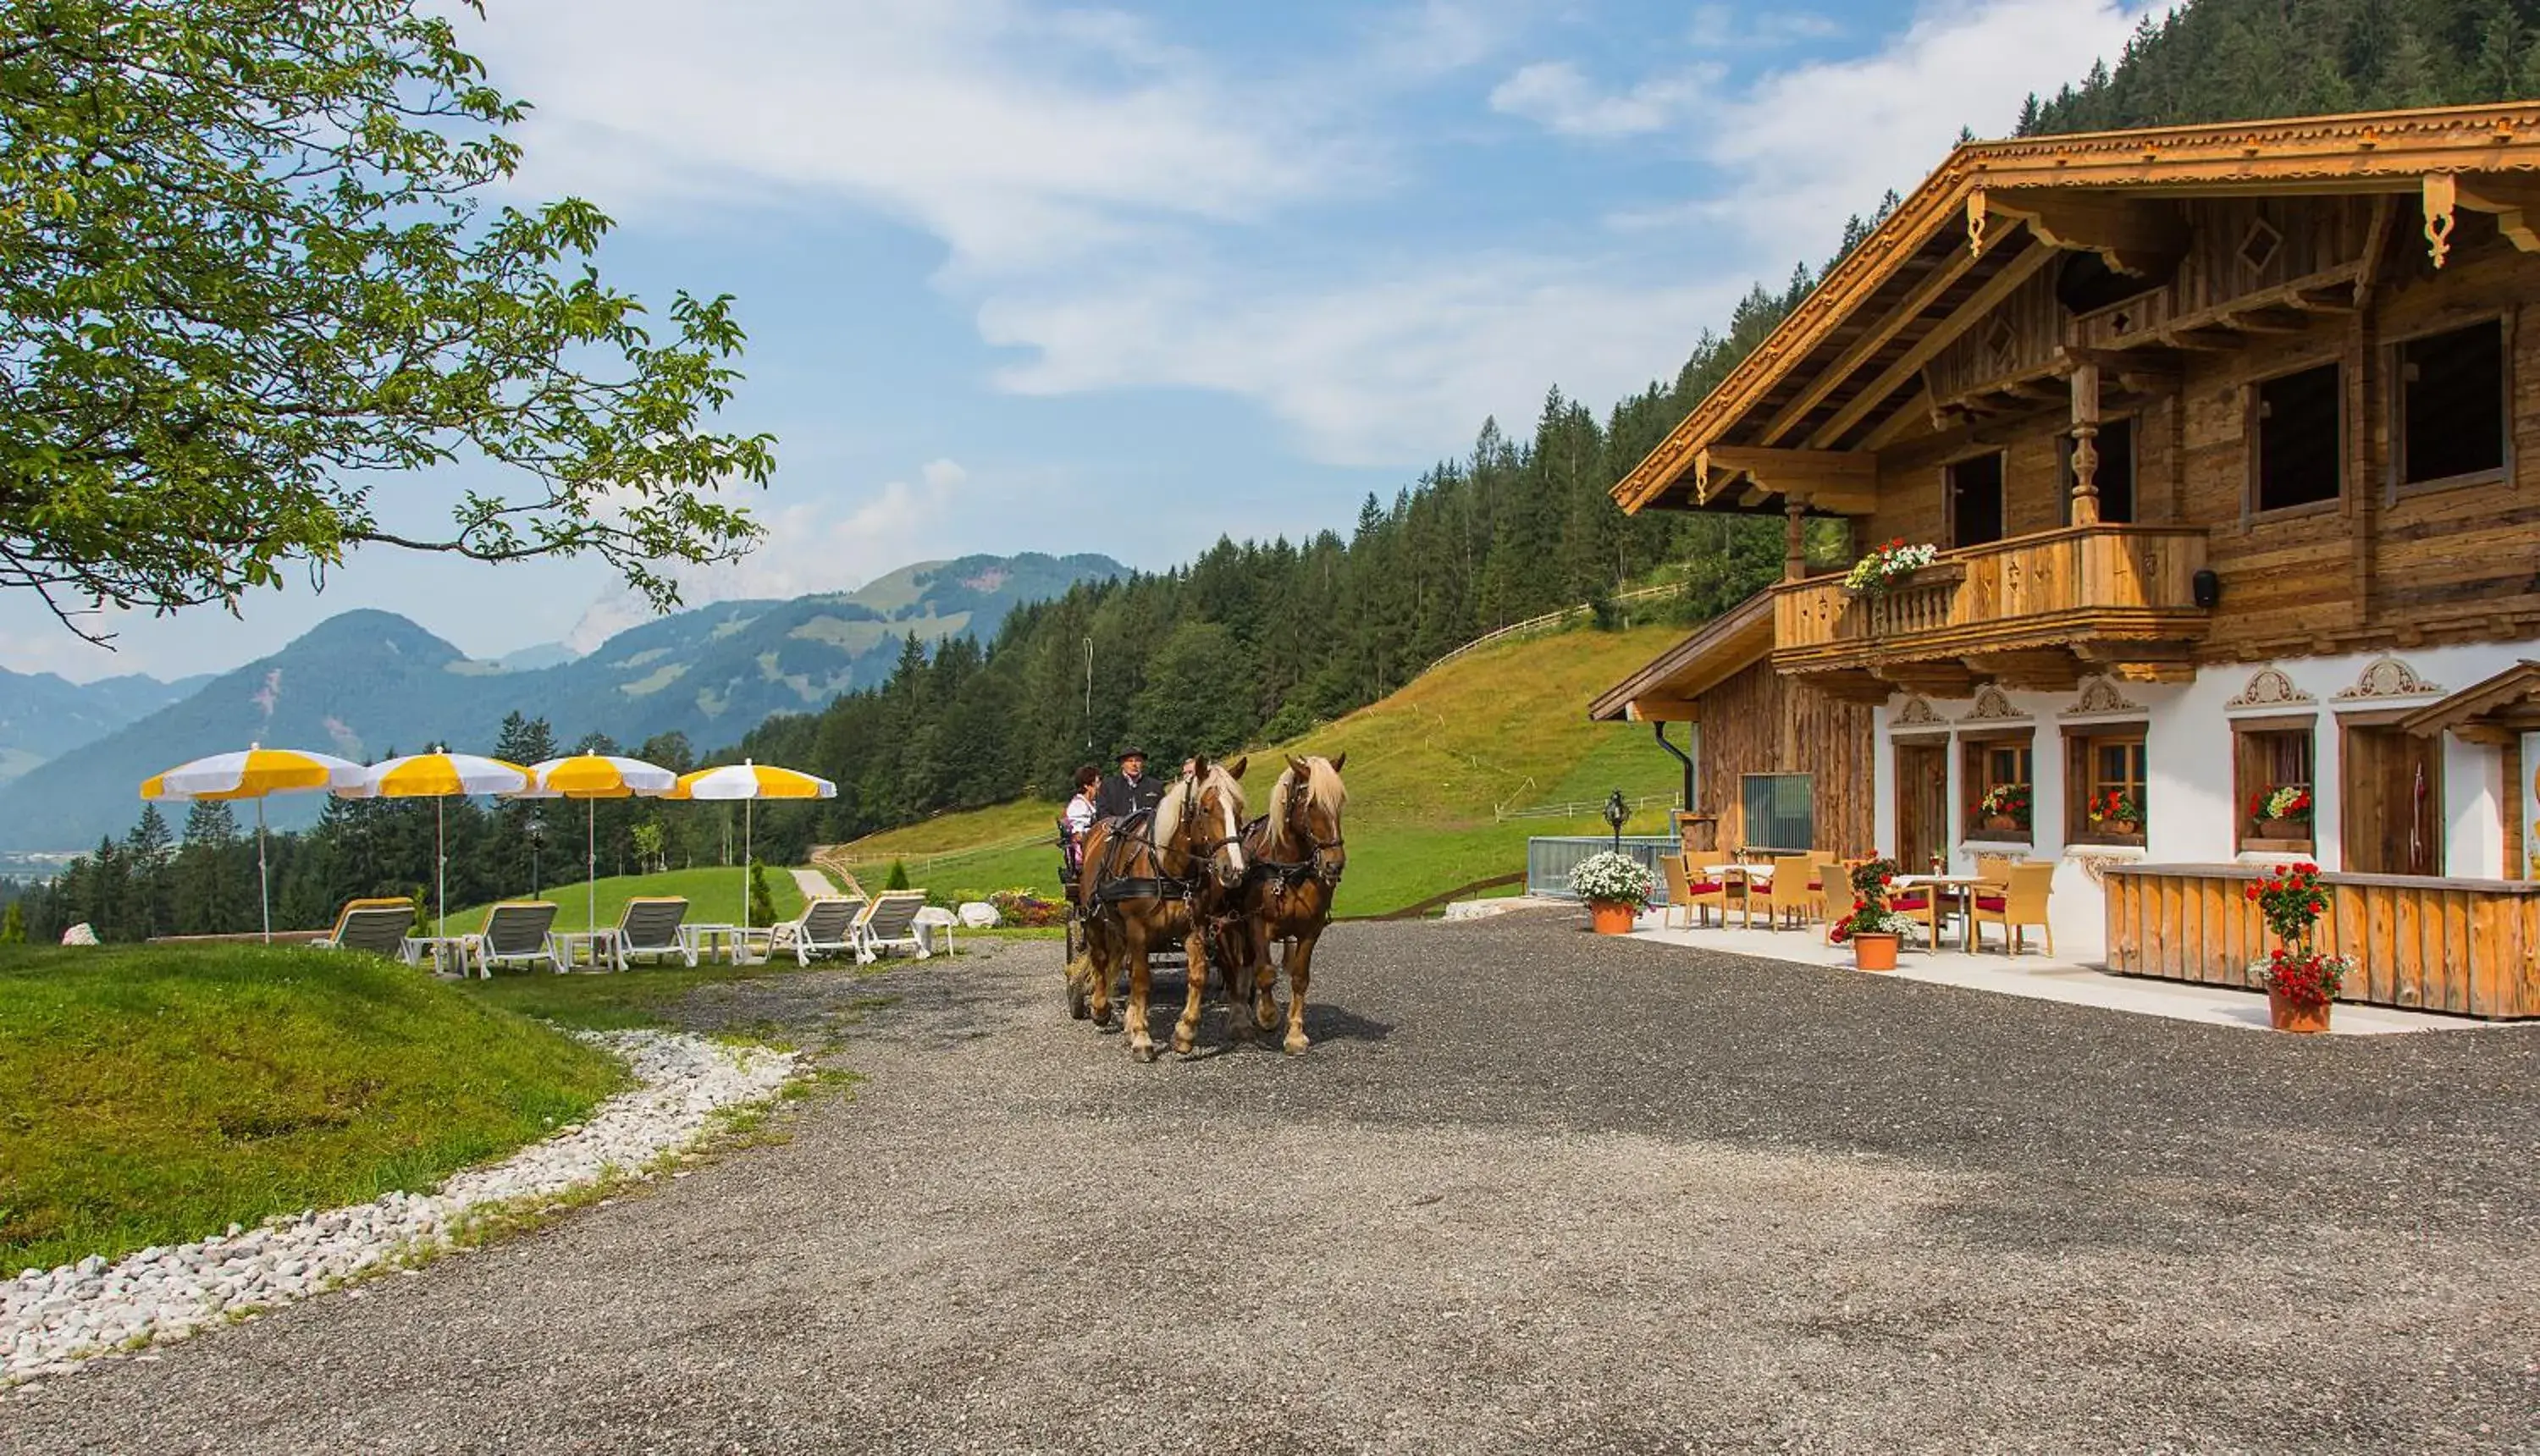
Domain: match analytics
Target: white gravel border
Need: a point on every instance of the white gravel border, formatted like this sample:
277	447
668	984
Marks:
51	1320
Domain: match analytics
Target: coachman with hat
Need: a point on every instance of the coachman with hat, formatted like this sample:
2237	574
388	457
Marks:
1130	791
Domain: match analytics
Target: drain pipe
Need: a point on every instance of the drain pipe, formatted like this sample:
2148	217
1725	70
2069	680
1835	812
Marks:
1660	728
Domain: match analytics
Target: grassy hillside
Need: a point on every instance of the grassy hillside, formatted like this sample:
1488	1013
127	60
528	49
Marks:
155	1095
714	897
1504	727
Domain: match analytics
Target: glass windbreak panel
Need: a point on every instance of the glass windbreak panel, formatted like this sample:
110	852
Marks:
2301	453
2115	477
1781	813
1975	501
2451	403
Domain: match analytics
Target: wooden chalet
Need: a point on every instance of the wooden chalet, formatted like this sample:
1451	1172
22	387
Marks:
2228	437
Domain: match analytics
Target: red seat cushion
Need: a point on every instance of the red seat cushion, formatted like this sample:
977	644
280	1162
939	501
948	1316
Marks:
1991	903
1760	888
1916	902
1816	884
1709	887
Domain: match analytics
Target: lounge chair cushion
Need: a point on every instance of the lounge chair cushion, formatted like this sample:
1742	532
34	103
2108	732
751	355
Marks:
1709	887
1991	903
1913	902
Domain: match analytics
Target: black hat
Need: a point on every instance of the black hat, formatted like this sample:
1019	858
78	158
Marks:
1132	751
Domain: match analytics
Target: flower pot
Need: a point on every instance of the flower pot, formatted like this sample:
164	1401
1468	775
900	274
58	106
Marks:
1875	951
2119	826
1614	916
2287	1014
2000	824
2284	829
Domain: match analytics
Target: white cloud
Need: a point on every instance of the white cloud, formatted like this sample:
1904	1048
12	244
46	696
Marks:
1809	146
1557	95
817	542
1022	138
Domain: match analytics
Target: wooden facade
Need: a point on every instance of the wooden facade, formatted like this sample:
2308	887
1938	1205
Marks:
1759	721
2170	404
2469	946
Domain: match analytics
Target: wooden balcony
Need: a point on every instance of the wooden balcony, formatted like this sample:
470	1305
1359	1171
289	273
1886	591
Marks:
2032	610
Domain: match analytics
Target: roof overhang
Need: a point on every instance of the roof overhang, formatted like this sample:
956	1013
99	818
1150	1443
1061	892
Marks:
1843	367
2499	710
1667	689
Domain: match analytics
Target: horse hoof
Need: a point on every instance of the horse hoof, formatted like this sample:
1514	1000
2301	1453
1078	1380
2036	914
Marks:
1297	1045
1145	1053
1182	1043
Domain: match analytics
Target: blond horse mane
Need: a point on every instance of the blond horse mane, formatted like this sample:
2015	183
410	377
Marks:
1324	791
1169	813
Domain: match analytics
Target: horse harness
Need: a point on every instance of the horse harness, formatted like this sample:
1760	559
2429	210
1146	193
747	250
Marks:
1136	830
1283	878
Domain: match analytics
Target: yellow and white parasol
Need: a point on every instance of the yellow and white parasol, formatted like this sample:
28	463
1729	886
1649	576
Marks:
438	776
593	777
254	774
749	782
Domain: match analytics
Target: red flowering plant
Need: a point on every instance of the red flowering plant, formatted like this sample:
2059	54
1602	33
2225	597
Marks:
2115	807
2293	901
1870	913
2281	802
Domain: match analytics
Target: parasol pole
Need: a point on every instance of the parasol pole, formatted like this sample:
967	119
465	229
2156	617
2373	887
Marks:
747	864
264	879
440	870
591	864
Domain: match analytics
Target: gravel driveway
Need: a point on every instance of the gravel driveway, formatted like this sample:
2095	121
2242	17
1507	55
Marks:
1531	1191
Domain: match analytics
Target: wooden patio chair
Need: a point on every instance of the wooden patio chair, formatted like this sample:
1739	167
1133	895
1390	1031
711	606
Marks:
1786	895
378	925
2014	902
514	934
1702	892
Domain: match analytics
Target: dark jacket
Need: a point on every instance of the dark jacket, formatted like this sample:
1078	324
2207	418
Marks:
1118	797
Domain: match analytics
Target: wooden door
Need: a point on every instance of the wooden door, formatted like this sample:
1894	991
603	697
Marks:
1922	803
2393	814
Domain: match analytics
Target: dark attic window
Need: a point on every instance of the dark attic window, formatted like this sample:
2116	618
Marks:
2085	283
2301	451
2452	404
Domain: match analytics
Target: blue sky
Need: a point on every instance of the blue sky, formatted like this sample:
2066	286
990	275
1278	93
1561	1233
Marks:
1025	276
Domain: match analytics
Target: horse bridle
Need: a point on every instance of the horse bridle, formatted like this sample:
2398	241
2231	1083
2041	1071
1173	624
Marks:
1198	858
1301	823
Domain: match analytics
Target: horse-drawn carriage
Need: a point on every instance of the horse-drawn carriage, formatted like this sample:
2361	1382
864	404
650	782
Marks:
1195	876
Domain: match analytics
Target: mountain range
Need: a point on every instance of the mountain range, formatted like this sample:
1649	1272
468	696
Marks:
42	715
367	683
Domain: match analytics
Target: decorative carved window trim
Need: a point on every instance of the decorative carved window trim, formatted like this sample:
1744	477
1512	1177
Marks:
2100	698
1917	713
1992	705
2388	677
2269	689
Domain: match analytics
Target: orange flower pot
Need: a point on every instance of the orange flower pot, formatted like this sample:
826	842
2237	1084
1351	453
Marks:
2287	1014
1874	953
1613	917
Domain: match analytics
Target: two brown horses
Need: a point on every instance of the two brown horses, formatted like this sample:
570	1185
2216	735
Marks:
1146	883
1197	869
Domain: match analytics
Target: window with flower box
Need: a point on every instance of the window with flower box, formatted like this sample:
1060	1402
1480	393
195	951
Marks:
2272	762
1999	773
2105	780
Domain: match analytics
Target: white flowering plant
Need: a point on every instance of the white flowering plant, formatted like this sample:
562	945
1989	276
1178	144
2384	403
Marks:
1610	878
1881	568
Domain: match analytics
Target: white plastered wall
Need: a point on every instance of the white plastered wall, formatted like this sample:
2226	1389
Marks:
2192	810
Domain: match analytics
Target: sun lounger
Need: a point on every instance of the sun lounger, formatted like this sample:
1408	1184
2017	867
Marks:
890	919
514	934
379	926
649	925
827	927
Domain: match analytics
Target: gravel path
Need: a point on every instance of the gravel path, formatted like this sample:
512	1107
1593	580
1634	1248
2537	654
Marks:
1531	1191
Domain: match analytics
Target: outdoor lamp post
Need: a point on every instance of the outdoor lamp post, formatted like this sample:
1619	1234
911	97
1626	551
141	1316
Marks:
1617	811
537	830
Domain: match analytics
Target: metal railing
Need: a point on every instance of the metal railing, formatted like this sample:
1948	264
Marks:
1577	808
1549	859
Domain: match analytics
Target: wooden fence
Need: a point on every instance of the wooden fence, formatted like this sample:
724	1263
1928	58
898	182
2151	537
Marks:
2421	942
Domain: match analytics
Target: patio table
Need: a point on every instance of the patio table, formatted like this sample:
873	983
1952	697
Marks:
1741	876
595	942
712	940
1944	888
441	948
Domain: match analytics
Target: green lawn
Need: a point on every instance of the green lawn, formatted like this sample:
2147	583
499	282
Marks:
153	1096
609	1001
714	897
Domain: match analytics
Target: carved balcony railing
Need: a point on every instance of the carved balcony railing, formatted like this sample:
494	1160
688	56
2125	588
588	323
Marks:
2055	589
